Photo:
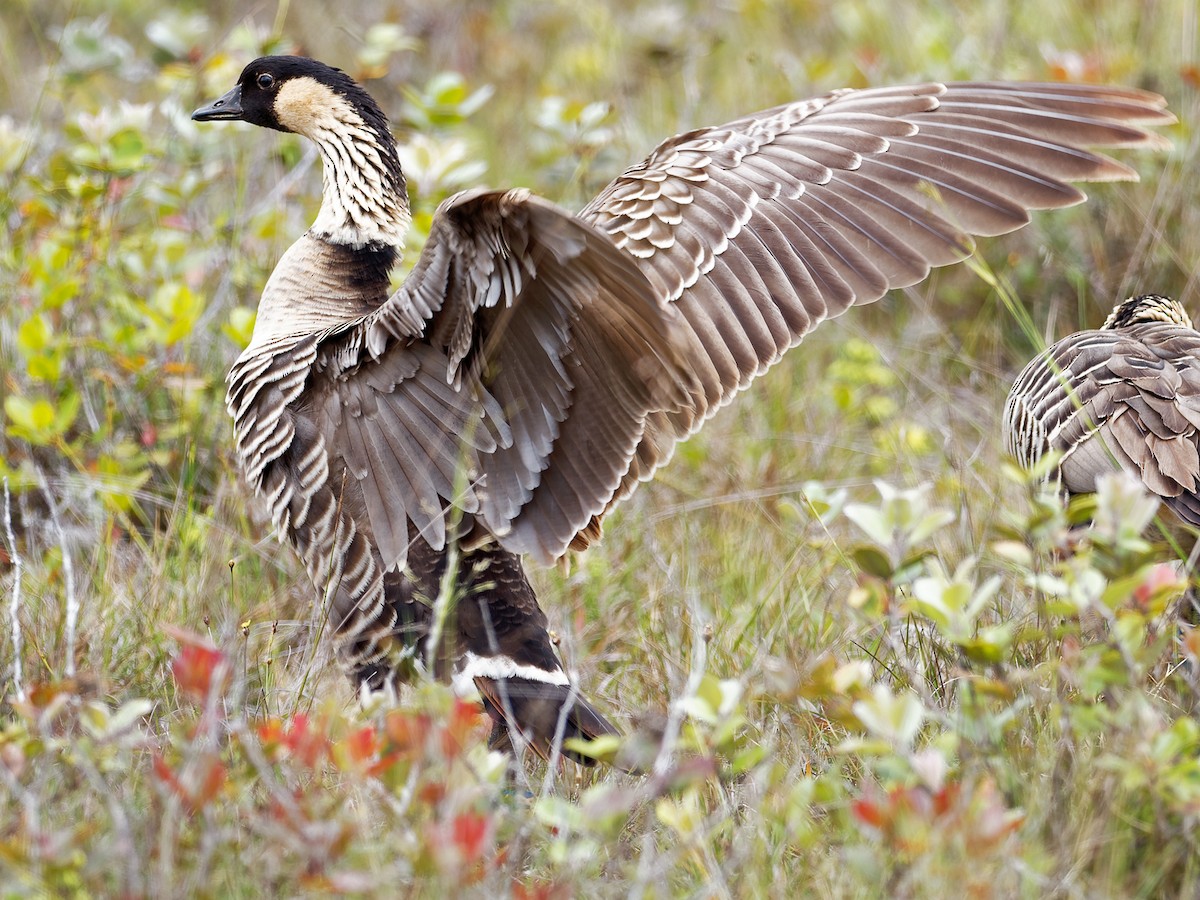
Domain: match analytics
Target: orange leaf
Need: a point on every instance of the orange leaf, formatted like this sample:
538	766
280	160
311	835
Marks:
270	732
211	782
539	891
432	793
362	744
464	718
406	732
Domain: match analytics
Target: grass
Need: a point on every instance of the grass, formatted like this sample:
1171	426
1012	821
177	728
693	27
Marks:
977	710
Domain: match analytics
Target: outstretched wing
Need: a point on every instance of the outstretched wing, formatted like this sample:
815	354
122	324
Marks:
760	229
1108	398
578	351
522	332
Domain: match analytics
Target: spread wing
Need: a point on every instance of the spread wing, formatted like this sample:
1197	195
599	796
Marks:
580	350
1127	397
521	333
760	229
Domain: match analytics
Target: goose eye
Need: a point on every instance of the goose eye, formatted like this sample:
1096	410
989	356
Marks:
265	80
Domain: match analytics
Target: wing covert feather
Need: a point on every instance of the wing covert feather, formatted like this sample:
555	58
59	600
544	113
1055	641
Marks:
817	206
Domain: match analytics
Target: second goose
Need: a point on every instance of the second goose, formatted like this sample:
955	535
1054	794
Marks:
1124	395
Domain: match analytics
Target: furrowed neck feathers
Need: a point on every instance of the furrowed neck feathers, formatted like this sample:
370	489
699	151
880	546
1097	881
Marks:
1147	309
364	197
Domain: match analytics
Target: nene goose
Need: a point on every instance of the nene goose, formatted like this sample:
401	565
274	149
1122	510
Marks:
536	365
1126	394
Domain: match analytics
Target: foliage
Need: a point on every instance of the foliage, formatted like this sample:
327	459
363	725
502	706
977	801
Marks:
856	653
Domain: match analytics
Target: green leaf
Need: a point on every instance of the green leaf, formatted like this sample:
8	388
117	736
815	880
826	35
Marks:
990	645
33	420
684	815
47	368
603	748
34	335
557	812
891	717
64	416
748	758
175	309
101	722
930	523
872	560
872	522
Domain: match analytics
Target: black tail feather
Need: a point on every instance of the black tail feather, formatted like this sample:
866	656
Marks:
545	715
1186	506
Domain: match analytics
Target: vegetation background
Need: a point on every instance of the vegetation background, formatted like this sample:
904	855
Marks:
879	666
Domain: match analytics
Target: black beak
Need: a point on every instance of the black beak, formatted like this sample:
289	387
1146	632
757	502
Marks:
228	107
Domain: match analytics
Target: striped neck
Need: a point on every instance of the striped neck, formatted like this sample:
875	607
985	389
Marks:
364	197
1146	309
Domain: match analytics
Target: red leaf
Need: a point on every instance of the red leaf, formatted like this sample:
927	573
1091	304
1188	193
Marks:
164	774
357	752
470	833
196	664
194	668
464	716
946	798
209	779
463	719
304	743
868	812
1161	577
362	744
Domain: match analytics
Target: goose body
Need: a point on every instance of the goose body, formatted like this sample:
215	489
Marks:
536	365
1124	395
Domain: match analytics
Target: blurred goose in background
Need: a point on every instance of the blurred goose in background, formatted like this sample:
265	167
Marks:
1124	395
537	365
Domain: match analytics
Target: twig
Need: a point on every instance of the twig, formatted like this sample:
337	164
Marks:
560	735
14	606
119	821
675	716
68	573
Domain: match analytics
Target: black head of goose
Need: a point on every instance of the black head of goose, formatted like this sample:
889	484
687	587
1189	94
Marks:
1124	395
536	365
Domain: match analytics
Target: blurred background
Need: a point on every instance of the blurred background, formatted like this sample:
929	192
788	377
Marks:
135	245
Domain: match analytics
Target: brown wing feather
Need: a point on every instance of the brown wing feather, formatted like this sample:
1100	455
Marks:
522	335
405	436
817	206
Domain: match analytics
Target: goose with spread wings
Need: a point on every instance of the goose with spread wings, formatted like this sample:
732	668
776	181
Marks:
536	365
